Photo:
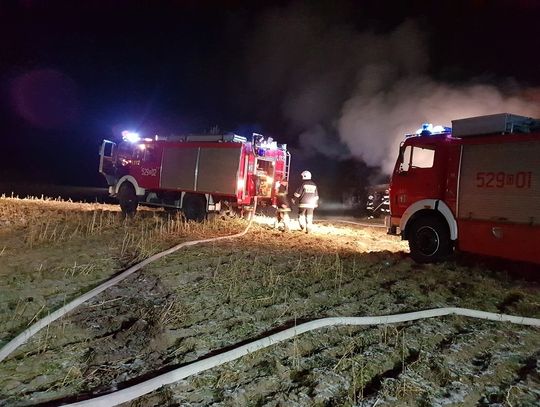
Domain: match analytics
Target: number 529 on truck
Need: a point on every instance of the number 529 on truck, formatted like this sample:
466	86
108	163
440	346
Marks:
474	188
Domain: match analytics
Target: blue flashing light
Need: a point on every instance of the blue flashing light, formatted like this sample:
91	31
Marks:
425	130
130	136
428	129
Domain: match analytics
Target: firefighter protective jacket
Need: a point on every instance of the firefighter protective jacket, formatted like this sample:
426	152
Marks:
307	195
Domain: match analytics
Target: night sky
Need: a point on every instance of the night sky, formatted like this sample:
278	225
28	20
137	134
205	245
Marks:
339	81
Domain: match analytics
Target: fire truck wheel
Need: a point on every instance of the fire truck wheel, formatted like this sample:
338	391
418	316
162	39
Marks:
128	199
194	207
429	240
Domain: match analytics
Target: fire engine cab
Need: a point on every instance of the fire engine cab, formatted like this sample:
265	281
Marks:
195	173
474	187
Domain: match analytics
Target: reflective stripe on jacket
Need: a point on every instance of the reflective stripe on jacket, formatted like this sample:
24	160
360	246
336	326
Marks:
307	195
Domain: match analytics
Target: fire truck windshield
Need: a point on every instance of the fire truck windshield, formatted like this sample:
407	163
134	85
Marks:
416	157
130	151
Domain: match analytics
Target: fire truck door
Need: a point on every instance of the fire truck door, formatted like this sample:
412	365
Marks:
107	158
416	178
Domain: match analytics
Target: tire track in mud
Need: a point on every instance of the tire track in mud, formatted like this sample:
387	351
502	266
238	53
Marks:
110	332
296	363
96	315
329	348
467	361
496	367
373	387
413	357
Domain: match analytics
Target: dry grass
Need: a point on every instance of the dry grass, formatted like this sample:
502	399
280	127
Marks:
47	244
48	221
215	295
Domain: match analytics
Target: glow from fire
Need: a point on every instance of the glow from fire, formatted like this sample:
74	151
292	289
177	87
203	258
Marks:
240	184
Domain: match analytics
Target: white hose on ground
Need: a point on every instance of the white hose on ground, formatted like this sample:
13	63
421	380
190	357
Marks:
138	390
59	313
148	386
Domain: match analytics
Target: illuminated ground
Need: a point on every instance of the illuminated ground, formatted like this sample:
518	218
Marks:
209	297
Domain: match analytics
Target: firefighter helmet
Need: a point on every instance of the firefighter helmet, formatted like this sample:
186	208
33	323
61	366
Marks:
306	175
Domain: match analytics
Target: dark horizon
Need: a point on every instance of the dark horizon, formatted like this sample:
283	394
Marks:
337	81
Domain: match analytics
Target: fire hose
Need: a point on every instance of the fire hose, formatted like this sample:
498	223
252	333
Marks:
42	323
140	389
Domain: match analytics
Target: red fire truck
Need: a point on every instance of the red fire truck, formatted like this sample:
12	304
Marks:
195	173
475	188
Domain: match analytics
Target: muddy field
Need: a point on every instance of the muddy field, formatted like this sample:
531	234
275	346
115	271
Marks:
210	297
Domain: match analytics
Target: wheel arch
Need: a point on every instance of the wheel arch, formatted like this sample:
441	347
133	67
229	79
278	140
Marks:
428	206
129	178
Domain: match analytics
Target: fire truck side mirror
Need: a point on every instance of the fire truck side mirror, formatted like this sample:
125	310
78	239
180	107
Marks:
401	169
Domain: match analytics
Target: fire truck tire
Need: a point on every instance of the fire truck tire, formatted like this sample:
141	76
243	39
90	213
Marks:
128	199
429	239
194	207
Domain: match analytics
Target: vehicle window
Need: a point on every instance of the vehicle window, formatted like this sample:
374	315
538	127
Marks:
125	150
422	157
149	155
108	149
405	159
138	153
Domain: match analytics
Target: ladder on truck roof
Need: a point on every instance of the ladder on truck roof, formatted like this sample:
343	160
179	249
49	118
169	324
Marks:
226	138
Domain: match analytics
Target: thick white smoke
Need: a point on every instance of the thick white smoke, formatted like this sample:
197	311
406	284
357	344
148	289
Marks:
348	91
372	124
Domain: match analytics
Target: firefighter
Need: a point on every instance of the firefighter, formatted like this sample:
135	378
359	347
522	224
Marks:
283	206
308	198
